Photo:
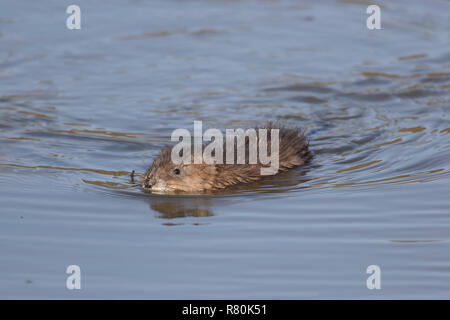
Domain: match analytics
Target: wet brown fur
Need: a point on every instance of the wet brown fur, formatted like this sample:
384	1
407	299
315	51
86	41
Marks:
293	152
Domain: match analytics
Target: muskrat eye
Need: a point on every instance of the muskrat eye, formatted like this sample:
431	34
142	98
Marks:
176	171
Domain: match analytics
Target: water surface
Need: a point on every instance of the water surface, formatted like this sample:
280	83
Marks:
81	109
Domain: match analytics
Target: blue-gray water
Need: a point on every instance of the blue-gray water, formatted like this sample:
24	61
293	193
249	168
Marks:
80	109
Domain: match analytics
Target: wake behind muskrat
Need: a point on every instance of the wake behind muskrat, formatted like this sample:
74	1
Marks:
166	176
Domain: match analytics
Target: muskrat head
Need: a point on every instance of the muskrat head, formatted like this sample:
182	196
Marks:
165	176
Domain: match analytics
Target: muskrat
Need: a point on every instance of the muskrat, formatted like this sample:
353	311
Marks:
165	176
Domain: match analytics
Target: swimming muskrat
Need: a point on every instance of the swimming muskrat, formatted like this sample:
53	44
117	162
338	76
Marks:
165	176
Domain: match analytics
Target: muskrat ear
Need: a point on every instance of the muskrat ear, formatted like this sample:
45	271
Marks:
165	150
165	154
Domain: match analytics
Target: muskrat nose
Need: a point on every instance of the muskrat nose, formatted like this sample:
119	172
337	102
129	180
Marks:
147	185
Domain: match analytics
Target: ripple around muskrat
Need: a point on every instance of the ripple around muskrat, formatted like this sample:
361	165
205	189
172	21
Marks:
377	125
354	144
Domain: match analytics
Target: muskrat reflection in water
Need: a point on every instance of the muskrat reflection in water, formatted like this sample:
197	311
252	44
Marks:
165	176
171	210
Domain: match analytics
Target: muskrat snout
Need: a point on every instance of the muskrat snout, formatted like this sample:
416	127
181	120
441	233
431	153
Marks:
147	185
150	182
